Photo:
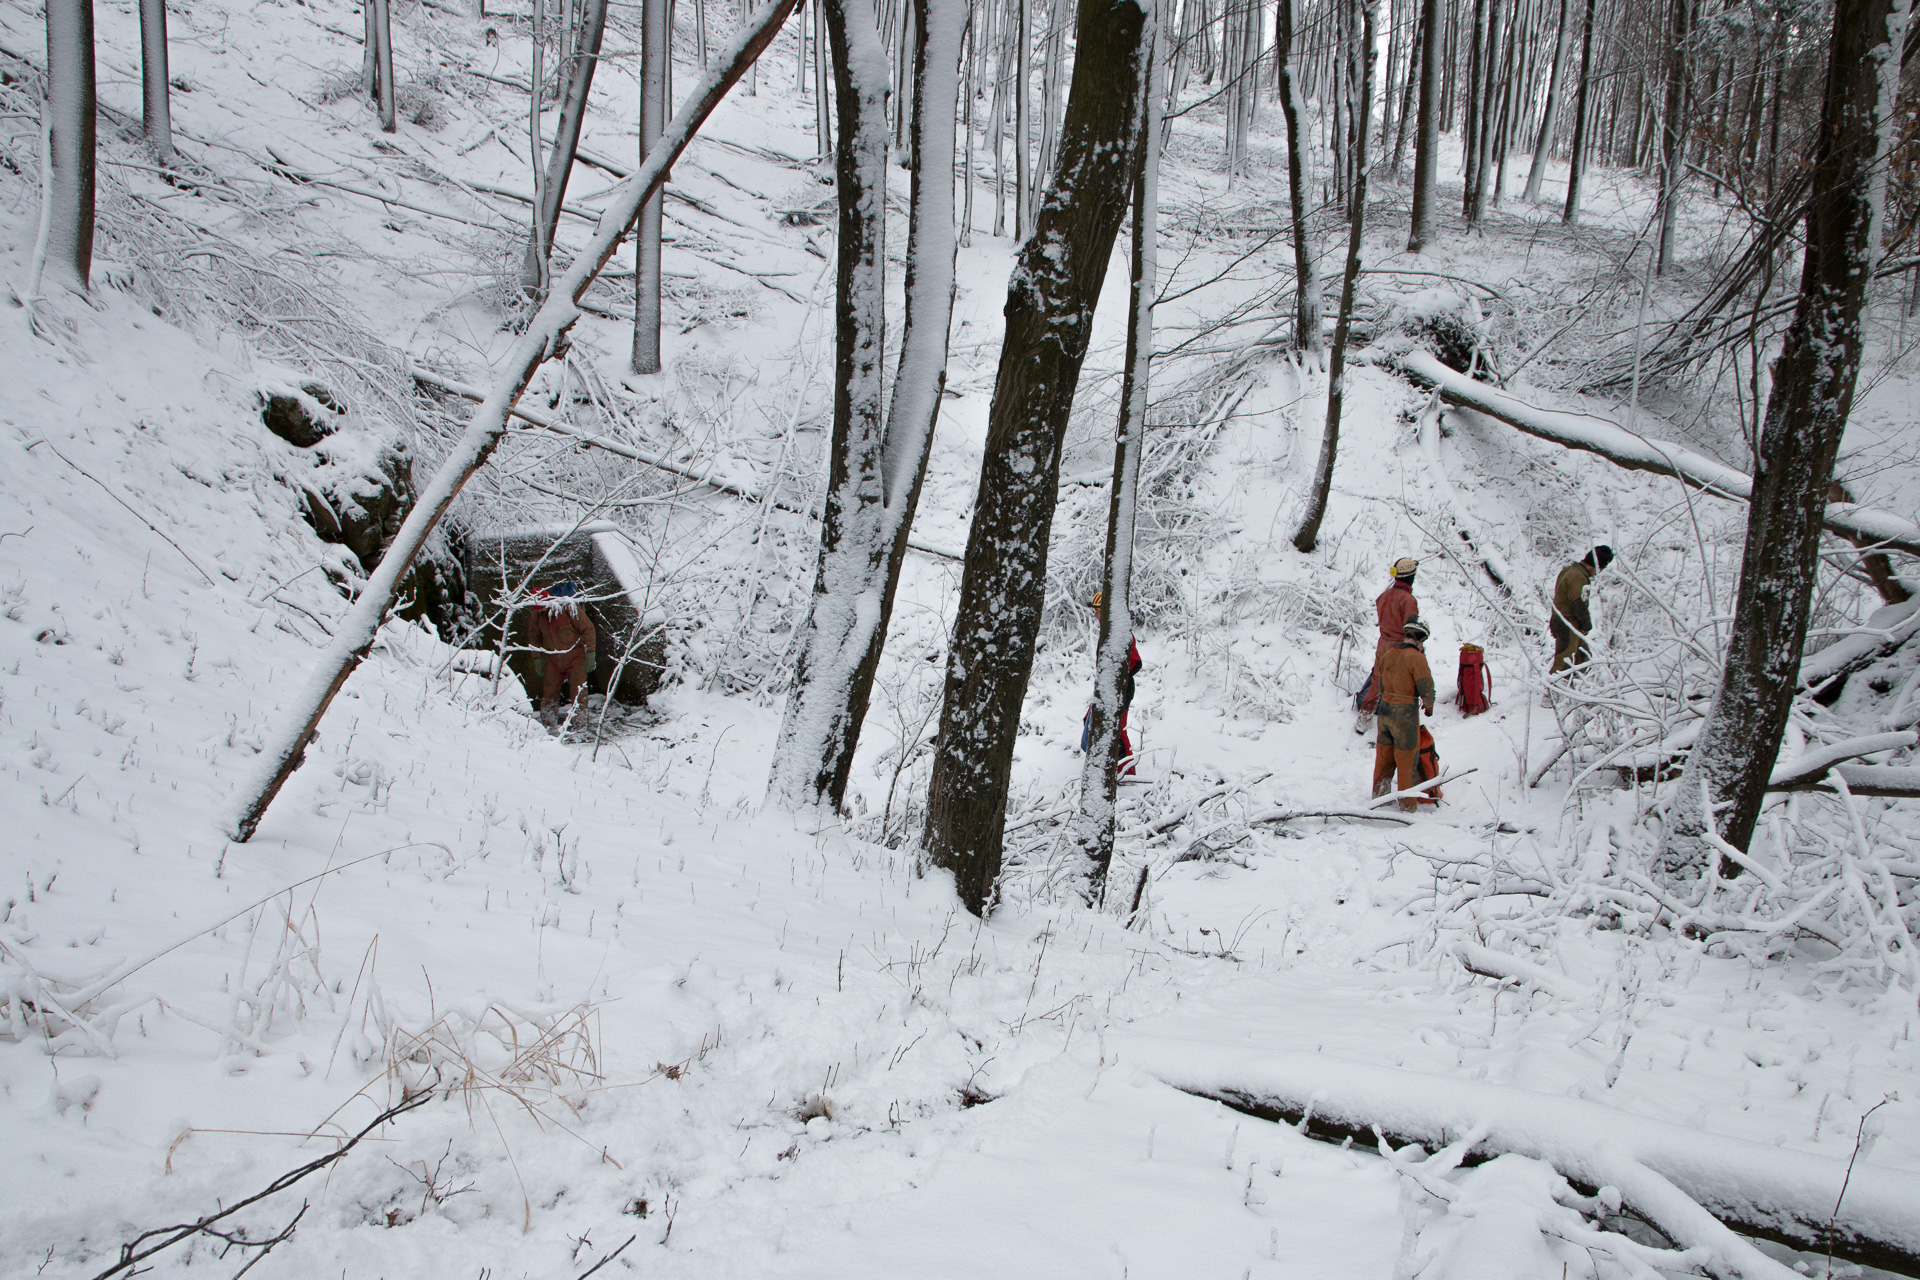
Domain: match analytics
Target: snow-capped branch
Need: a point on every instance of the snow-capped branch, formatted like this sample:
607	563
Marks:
1638	453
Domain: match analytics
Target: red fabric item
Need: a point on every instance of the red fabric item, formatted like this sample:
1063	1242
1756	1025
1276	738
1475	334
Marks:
1427	766
1475	685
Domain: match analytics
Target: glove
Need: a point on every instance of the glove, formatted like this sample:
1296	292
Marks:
1429	710
592	658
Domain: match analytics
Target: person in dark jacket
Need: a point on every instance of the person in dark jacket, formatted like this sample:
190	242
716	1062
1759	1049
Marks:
1406	686
1572	620
563	641
1392	609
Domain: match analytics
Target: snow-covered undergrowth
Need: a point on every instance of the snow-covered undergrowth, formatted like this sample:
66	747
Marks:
639	1008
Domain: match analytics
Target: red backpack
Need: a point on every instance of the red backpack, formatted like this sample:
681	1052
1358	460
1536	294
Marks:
1427	765
1476	686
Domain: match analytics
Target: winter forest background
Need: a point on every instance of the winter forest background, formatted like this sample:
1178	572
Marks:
844	353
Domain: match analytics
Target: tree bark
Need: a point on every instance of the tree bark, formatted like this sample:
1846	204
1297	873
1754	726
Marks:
71	106
1543	148
1049	309
544	338
1306	313
1100	770
566	141
155	100
1426	147
1309	532
654	53
1813	387
876	468
1673	132
1577	154
383	88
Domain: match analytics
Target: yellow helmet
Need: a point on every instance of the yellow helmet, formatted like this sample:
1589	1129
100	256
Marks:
1404	567
1098	597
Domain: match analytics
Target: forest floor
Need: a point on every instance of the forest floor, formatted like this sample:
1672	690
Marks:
777	1049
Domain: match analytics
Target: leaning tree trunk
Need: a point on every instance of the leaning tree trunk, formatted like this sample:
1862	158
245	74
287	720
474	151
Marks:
1426	146
157	113
1306	314
1309	533
1049	309
544	338
875	474
1577	153
1543	149
1813	385
654	55
70	109
1100	770
566	141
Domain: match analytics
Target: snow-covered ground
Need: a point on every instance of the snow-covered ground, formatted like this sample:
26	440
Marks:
645	1007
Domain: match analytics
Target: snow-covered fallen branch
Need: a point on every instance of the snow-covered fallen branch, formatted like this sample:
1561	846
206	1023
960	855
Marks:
544	338
1501	967
1638	453
1693	1185
1804	771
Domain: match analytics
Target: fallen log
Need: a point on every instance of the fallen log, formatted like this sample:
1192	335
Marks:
1803	771
1887	629
1662	1170
1885	782
1863	526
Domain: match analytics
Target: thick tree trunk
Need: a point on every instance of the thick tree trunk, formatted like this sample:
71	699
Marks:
1577	154
1306	312
383	87
1813	386
1309	532
1100	770
1426	147
1673	132
544	337
876	469
654	54
70	108
1049	309
1471	144
1543	148
566	141
155	100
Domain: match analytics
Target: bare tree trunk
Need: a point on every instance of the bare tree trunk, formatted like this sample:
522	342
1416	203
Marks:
1426	147
1813	386
1471	143
566	143
876	473
1309	533
654	53
157	110
383	88
1022	172
1673	132
1306	314
1543	149
544	338
71	106
1049	311
1577	154
1100	770
1416	59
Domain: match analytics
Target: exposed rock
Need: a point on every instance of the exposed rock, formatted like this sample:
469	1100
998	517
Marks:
301	415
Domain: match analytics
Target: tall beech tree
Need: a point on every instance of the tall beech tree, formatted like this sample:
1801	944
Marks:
1306	292
155	101
1308	535
582	46
1812	394
878	458
71	108
1093	826
655	52
1426	145
1049	312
